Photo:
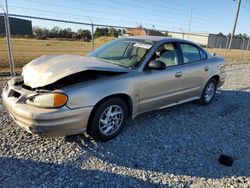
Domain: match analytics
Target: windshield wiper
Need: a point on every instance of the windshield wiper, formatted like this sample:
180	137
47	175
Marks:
112	62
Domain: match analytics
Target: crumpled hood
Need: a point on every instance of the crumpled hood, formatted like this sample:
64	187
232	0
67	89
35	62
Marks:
48	69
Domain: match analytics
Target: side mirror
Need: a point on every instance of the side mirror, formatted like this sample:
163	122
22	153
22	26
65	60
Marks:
157	65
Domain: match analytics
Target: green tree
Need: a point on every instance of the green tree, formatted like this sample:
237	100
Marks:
65	33
54	32
220	34
113	32
245	36
101	32
37	31
240	36
83	34
45	33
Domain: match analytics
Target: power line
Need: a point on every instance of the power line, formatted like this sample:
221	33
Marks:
87	10
197	19
63	13
50	4
76	15
204	11
126	10
186	15
212	21
121	3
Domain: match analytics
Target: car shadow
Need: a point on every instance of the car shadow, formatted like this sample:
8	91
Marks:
32	173
183	140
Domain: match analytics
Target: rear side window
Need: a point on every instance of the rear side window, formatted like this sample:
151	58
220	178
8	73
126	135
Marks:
190	53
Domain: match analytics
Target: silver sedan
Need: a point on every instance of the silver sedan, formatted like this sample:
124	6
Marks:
70	94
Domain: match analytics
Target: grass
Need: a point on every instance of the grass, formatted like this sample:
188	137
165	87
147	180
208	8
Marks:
232	56
25	50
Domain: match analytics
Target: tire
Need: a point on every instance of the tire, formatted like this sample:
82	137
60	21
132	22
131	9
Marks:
209	92
108	119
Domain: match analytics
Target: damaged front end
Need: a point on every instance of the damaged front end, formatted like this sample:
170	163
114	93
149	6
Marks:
37	100
85	76
41	111
50	69
50	96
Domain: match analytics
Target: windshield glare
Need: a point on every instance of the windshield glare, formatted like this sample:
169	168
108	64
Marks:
123	52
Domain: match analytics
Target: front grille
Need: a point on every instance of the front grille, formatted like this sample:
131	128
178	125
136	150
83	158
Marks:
16	94
27	87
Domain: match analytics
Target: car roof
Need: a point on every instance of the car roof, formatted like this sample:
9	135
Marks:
159	38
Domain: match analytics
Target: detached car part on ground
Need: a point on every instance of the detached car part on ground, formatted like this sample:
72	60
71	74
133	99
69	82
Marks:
69	94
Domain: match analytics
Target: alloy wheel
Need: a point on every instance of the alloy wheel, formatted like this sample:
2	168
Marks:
110	120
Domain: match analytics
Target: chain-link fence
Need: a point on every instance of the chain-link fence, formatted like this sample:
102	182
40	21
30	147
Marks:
239	48
32	37
48	36
36	36
4	62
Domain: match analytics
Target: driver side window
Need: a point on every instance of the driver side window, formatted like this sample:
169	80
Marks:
168	54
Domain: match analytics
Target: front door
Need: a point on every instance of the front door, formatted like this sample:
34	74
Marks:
162	87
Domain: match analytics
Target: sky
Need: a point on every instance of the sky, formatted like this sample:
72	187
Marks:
210	16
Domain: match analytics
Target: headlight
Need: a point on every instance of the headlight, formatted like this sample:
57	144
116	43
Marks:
50	100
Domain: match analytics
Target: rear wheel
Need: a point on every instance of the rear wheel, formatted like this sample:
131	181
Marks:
108	119
208	92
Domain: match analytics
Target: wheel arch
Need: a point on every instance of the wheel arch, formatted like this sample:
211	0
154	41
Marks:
216	77
125	97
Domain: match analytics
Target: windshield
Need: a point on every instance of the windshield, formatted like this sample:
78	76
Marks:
123	52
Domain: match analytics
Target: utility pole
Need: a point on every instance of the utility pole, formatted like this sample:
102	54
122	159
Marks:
235	23
190	21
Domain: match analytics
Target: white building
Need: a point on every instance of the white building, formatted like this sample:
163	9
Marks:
199	38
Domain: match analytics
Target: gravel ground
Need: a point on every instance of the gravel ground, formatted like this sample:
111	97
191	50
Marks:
175	147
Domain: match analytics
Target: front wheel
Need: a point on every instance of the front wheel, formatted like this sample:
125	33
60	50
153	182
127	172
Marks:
208	92
108	119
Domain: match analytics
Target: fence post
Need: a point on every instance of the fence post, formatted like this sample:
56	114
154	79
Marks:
245	58
242	48
182	32
8	40
226	48
221	45
92	34
92	37
9	44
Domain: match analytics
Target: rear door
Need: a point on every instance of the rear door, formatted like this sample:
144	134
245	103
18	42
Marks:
196	70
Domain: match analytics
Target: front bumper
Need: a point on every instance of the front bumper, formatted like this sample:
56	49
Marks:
45	122
222	79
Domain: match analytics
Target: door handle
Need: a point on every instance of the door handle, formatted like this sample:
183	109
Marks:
206	68
178	74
